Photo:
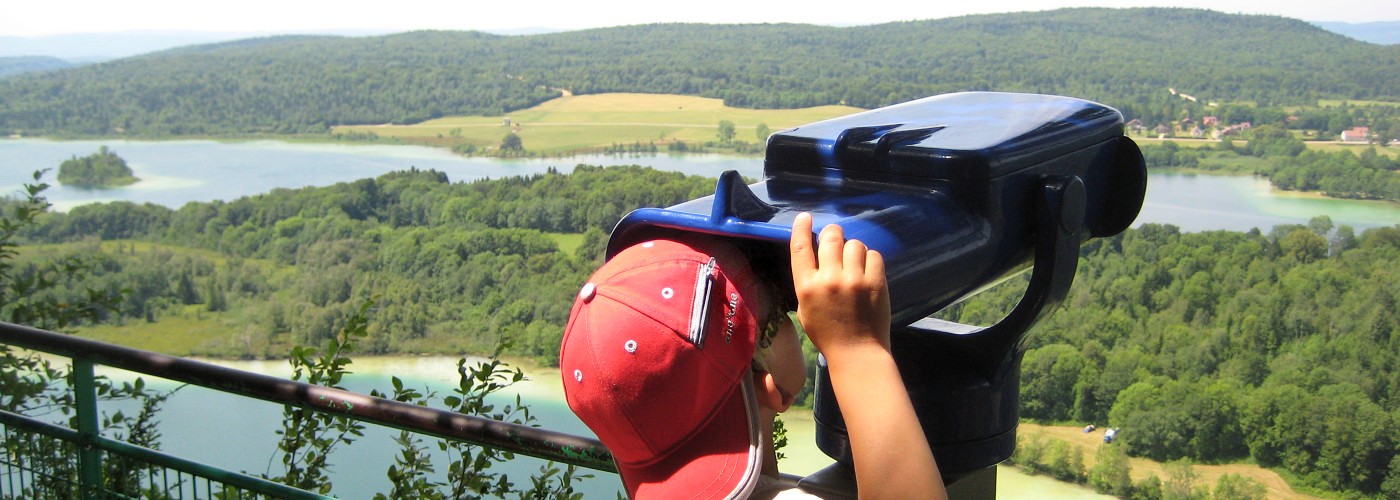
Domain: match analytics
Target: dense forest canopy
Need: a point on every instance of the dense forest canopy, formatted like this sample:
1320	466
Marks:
1127	58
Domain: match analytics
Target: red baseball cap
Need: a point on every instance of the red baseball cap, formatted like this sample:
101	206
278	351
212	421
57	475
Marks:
655	359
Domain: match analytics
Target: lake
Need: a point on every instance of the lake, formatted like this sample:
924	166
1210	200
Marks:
205	425
177	172
239	433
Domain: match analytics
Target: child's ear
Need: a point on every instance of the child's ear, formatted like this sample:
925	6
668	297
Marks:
769	395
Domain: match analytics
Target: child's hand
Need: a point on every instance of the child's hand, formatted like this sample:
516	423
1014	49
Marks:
843	300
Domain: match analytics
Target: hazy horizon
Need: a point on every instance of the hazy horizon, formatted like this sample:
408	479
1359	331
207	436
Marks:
35	19
98	46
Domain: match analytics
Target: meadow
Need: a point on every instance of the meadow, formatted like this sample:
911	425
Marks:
592	123
588	123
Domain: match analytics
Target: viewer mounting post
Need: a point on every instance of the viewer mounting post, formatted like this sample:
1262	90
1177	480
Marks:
958	192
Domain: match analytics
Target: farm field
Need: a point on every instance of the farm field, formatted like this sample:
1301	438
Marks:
592	122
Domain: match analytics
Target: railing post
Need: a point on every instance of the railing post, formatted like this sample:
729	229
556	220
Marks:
89	456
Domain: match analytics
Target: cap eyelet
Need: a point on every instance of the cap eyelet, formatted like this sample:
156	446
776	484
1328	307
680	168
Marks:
667	293
630	346
578	375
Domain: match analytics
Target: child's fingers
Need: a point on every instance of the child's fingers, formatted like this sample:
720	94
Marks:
854	256
830	248
875	267
803	260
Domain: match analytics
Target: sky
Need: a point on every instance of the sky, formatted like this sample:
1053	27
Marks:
30	18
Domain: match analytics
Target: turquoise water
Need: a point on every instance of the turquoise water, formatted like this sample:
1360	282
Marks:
1240	203
239	433
176	172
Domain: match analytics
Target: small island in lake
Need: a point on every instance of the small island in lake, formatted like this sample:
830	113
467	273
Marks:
102	169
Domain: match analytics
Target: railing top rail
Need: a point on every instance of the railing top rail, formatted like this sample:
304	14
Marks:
532	441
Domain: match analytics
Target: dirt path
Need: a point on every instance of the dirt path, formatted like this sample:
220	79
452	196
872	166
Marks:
1088	444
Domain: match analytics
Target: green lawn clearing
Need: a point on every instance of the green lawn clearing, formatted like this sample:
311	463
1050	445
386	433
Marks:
592	122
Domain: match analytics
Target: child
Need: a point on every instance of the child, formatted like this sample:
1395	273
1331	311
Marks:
678	357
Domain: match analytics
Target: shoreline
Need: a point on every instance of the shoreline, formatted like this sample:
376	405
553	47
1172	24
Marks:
326	141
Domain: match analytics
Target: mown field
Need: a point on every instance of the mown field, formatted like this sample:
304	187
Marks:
592	122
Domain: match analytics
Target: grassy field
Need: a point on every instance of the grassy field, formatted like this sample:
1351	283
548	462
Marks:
589	123
592	122
1140	468
1337	102
568	242
186	331
1354	148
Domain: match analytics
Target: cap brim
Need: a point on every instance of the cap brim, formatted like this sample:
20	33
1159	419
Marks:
721	461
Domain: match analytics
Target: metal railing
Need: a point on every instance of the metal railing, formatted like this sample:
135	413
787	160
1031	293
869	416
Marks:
196	480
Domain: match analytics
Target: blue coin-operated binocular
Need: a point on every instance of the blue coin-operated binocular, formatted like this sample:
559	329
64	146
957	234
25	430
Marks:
958	192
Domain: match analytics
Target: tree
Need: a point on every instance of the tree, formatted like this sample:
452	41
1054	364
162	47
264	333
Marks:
726	131
1383	133
1391	487
1181	482
1110	474
1236	487
512	142
217	301
184	288
1149	488
1047	382
762	133
1304	245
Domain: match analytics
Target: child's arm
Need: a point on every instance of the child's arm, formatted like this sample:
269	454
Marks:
843	303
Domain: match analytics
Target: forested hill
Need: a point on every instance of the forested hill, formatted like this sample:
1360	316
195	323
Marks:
10	66
1126	58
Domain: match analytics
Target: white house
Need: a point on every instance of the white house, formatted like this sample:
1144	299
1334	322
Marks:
1356	134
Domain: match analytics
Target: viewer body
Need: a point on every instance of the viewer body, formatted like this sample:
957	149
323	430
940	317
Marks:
679	357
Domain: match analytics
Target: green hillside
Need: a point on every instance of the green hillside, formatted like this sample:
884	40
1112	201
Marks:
11	66
306	84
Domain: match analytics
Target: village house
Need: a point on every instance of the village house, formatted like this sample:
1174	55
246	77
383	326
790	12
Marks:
1210	121
1356	134
1236	129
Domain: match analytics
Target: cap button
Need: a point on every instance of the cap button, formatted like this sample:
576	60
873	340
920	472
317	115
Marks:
587	293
